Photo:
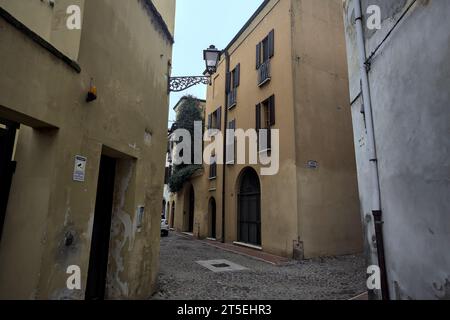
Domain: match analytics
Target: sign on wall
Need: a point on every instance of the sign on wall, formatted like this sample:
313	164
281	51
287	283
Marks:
79	172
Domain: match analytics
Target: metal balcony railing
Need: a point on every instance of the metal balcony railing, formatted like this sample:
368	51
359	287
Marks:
232	98
264	73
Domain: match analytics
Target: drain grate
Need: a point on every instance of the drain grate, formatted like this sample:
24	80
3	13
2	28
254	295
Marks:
221	266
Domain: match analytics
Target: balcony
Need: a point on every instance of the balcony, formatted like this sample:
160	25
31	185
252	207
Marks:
264	73
213	171
232	98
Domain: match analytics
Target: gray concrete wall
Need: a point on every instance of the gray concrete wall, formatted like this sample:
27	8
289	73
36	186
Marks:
409	82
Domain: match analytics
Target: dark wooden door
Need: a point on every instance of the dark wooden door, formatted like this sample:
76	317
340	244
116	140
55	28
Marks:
191	209
172	221
7	165
101	233
249	204
212	212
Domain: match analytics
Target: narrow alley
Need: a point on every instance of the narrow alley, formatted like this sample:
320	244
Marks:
182	277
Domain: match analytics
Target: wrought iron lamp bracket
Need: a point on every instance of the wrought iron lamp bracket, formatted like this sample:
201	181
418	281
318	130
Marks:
178	84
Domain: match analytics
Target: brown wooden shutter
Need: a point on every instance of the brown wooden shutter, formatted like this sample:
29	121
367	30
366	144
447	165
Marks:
228	83
237	75
272	110
232	125
258	117
209	121
258	55
219	118
271	43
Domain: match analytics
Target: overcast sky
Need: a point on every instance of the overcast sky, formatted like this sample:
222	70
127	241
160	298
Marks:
200	23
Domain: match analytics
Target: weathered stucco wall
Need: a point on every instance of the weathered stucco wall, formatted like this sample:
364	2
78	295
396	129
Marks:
126	55
167	10
49	22
409	78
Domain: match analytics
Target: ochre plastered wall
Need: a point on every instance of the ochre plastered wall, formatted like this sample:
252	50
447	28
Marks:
49	22
127	58
315	211
167	10
328	202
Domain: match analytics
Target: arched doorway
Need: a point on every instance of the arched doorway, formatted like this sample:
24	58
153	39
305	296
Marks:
191	209
249	208
212	218
163	214
172	220
168	210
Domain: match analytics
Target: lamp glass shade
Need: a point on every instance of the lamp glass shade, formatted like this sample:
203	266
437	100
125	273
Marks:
211	56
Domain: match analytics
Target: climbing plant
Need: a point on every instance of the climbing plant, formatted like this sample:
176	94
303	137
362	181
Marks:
187	114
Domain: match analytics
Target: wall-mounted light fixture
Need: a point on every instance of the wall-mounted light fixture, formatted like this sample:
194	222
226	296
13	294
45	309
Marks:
211	57
92	94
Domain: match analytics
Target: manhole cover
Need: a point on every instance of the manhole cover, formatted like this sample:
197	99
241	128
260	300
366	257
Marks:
221	266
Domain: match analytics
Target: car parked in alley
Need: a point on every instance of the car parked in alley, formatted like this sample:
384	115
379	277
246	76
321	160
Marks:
164	227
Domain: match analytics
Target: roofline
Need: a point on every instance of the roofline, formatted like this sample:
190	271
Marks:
159	19
246	25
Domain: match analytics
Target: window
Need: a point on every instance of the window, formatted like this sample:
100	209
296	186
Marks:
265	119
233	81
231	144
215	120
213	168
265	50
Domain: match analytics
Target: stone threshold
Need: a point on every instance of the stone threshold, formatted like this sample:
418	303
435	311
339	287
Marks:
254	253
361	297
247	245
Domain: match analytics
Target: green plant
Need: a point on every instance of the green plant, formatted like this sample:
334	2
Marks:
187	114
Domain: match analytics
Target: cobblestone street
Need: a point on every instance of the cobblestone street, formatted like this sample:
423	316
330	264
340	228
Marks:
182	277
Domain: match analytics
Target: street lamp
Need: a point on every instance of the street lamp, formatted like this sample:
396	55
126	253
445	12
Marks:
211	57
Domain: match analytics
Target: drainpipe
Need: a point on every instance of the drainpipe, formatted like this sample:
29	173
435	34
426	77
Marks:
373	160
224	166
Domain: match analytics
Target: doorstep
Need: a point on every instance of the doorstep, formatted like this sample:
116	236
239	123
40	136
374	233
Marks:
254	253
362	296
246	245
190	234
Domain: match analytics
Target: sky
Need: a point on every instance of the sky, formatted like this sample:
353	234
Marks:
198	24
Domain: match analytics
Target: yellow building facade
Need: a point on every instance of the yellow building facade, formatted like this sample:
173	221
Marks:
85	179
286	69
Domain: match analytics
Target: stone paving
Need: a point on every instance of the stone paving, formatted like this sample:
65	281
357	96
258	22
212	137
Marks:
183	277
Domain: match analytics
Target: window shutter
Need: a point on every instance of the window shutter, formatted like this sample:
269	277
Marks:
231	142
232	125
209	121
258	117
219	119
228	83
237	75
271	43
258	55
272	110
